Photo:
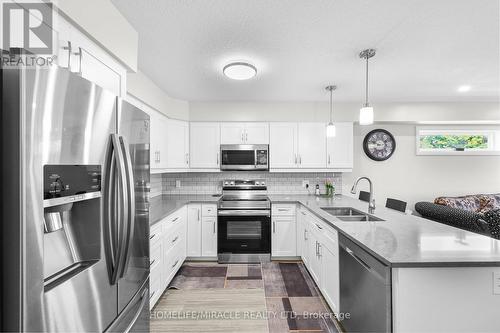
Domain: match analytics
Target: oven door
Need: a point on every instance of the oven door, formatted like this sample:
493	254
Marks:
242	233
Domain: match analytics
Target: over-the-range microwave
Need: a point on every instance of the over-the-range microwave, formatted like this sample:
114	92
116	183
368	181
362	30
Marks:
244	157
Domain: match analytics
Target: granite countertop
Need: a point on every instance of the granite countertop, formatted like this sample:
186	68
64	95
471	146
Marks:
405	240
163	205
400	241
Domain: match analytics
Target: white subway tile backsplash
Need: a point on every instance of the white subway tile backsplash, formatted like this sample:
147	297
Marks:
210	183
156	182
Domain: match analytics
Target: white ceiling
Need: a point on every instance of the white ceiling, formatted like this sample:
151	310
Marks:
426	49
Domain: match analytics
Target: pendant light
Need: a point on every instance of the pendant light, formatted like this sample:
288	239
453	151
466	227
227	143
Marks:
366	112
330	128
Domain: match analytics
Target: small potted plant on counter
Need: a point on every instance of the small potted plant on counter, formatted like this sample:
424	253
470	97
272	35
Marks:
330	188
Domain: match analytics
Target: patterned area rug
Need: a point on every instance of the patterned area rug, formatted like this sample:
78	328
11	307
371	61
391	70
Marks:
272	297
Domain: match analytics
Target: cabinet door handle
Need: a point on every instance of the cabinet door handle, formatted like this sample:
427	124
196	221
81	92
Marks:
187	158
214	227
175	263
175	219
300	159
319	250
242	136
68	47
283	209
79	54
246	136
316	248
153	236
303	213
199	215
175	239
319	227
217	158
152	294
159	156
295	158
274	227
152	262
329	159
305	234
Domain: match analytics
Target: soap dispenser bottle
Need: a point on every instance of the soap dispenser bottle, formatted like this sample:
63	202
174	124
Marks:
316	191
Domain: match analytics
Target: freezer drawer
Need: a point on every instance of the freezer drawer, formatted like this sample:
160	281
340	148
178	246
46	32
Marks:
135	316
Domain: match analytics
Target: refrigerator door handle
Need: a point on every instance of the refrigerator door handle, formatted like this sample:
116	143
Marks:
130	204
124	220
109	210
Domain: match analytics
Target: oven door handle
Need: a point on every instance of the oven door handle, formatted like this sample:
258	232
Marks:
241	212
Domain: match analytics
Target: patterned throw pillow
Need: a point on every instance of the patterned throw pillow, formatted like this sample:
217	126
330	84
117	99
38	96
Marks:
469	203
493	219
489	202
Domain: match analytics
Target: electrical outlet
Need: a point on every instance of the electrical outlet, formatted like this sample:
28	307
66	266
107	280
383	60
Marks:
305	183
496	283
177	183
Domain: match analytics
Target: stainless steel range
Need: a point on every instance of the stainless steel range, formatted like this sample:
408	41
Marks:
244	222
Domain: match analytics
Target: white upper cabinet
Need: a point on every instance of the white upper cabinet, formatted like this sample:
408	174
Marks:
312	145
340	148
283	145
177	144
81	55
298	146
157	134
257	133
232	133
244	133
204	145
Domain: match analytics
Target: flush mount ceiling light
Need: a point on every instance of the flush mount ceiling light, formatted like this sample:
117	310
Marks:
330	128
239	70
464	88
366	112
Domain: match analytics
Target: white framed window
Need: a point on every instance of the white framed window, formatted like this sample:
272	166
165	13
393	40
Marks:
457	140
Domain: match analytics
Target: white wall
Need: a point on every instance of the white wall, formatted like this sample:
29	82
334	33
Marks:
413	178
141	87
319	111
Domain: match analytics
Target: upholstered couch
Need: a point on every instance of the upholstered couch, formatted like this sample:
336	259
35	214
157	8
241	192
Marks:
478	213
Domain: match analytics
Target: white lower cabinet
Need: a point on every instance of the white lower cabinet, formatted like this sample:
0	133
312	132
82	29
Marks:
209	230
329	281
209	237
202	230
283	236
167	248
194	230
314	259
284	231
318	244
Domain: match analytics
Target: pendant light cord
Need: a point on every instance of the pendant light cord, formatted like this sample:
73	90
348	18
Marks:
366	91
331	106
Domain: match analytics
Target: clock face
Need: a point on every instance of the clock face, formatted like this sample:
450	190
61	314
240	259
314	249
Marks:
379	145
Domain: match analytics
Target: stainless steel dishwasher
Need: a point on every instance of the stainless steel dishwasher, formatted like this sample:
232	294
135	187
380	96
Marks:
365	290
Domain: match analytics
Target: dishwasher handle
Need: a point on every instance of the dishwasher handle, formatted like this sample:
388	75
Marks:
359	260
365	259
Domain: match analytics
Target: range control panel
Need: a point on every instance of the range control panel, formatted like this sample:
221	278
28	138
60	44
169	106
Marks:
68	180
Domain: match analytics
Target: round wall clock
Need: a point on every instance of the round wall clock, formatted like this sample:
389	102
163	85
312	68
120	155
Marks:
379	145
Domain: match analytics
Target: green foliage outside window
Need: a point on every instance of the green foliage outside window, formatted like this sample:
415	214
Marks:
454	141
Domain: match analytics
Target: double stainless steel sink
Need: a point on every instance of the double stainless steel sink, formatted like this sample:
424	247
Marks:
350	214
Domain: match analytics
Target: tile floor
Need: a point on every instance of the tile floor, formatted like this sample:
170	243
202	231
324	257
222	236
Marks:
272	297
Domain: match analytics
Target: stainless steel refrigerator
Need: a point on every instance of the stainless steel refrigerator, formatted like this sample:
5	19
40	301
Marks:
75	214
